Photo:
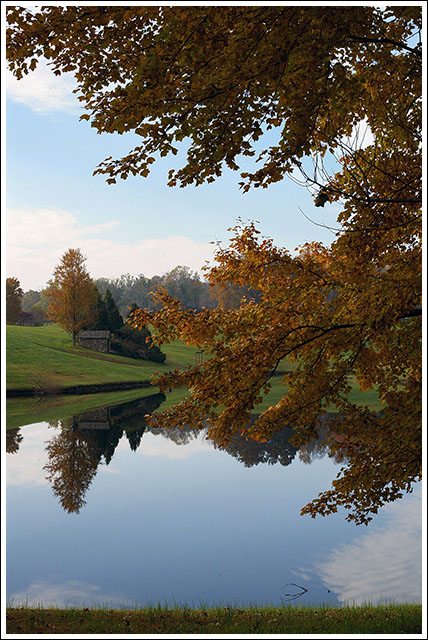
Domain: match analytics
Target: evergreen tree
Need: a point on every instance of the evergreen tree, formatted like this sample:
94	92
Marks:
101	322
114	319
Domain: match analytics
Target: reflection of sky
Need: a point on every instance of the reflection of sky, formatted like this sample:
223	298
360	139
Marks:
385	563
159	446
25	468
71	594
188	523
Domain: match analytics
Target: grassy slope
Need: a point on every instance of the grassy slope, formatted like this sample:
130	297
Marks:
391	619
369	399
44	356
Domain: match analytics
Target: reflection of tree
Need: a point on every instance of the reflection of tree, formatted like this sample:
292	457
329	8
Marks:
131	415
73	462
90	438
276	449
14	438
315	448
178	434
134	437
86	440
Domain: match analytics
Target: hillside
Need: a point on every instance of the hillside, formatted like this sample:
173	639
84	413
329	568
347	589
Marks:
43	358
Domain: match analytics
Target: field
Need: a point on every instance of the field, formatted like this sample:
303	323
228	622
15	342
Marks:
44	359
391	619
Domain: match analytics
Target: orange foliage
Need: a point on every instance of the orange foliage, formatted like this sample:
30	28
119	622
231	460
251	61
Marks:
72	295
219	77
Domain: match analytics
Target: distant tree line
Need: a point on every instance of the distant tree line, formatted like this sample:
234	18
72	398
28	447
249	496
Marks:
187	286
31	307
14	295
76	302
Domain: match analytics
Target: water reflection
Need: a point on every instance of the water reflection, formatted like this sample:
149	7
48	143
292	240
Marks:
71	593
236	530
278	450
384	563
14	438
88	439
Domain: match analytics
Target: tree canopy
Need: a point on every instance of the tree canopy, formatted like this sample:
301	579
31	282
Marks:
72	295
302	79
14	295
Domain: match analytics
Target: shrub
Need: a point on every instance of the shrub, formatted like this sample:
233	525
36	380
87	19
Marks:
133	343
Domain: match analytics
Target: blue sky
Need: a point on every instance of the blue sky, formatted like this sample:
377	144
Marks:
136	226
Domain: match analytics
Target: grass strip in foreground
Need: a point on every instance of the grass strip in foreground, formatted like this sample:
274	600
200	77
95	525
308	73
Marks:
392	619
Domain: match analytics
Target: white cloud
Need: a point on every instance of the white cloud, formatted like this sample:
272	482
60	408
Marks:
44	92
37	238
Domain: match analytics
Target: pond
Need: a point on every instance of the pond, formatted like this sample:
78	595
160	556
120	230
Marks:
104	511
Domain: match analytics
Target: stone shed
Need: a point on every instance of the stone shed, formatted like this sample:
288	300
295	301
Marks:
95	419
95	340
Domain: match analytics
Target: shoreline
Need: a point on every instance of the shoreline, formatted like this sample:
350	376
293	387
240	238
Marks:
79	389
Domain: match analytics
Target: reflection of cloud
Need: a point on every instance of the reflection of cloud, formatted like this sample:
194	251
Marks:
27	470
114	472
68	594
44	92
152	445
384	564
37	238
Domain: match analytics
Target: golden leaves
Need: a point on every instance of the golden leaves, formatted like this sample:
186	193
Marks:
327	315
219	77
71	293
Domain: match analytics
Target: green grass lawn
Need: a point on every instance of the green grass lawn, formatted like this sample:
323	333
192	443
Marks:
43	357
368	399
370	620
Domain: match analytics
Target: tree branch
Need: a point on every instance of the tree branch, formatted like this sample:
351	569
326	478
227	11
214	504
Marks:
399	45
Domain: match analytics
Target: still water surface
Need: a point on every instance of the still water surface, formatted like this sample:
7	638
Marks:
102	510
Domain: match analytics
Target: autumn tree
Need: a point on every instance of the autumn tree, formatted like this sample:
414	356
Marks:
14	438
73	459
291	87
71	293
231	296
14	295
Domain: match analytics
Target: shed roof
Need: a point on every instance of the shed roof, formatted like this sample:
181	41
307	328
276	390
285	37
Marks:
94	334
